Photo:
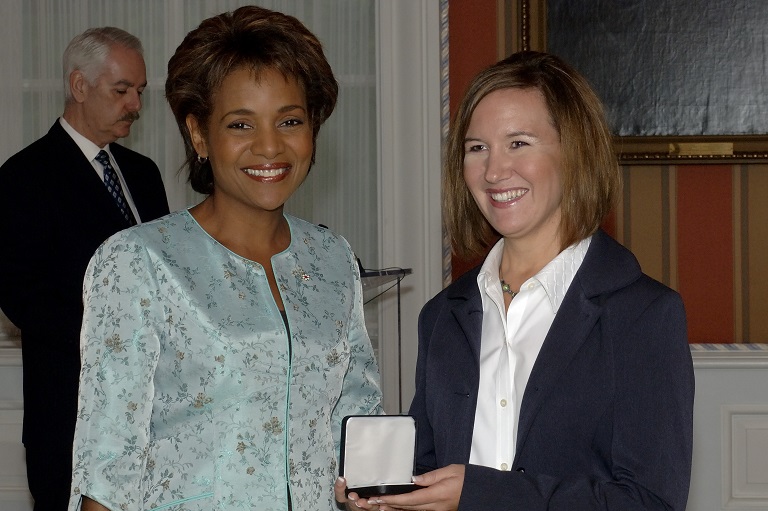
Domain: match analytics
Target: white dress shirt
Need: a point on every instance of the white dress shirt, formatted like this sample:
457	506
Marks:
510	342
90	150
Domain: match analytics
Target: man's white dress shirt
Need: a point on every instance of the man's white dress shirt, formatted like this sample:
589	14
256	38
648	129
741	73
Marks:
90	150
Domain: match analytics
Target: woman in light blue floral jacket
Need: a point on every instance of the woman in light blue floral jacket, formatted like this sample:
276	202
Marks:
223	345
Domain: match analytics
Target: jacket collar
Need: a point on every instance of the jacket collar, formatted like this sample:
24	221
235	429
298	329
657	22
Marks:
467	307
607	267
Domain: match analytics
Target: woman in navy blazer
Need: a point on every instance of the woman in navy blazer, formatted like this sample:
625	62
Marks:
556	375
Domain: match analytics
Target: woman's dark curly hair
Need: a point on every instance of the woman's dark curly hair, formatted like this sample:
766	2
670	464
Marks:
256	38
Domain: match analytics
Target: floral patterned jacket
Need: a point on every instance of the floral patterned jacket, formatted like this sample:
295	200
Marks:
191	395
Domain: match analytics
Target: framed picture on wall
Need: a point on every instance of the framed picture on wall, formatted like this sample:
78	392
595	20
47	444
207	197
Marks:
681	79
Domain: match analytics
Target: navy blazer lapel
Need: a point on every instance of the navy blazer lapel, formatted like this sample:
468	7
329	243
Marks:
575	319
467	309
607	266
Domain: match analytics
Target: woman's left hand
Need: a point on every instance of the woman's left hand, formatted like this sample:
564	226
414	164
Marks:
353	501
441	492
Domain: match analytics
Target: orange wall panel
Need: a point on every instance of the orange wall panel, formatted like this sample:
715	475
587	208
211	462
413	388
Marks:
644	218
472	43
705	250
755	246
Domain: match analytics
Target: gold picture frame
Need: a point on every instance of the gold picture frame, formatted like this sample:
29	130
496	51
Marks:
523	26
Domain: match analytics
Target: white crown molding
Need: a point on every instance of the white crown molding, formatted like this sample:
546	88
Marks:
730	356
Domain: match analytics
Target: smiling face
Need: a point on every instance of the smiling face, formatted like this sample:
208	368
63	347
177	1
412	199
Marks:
512	164
112	102
258	140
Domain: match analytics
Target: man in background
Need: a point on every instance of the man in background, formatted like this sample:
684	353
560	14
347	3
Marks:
60	198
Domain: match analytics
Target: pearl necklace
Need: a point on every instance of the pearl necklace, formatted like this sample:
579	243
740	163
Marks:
505	288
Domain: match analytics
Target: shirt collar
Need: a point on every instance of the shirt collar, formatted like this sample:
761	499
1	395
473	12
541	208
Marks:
89	149
555	278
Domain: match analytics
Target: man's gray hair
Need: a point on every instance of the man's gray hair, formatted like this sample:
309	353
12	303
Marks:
88	51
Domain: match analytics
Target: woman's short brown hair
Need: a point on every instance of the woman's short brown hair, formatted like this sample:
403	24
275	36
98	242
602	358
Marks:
591	175
251	37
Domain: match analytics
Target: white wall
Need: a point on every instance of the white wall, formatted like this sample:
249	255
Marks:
730	458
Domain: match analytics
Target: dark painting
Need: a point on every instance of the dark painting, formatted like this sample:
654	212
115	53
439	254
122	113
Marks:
670	67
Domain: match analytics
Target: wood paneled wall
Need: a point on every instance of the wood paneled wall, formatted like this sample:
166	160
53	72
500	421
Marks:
703	230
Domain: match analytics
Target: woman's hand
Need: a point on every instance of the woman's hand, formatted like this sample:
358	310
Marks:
353	501
441	492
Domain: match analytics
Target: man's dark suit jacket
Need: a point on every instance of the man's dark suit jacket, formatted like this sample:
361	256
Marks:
606	417
54	212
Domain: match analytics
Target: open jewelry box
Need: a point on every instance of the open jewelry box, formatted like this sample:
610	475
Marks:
377	454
